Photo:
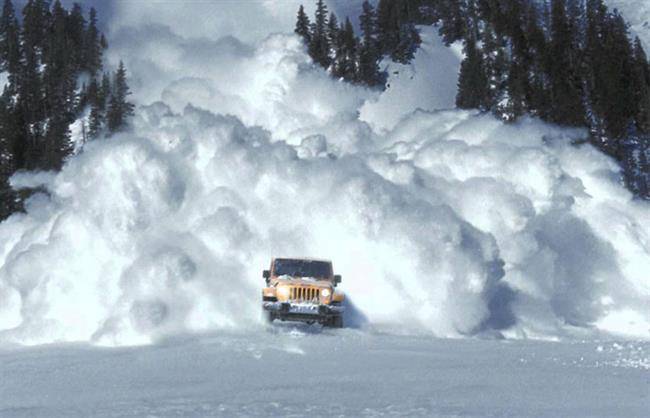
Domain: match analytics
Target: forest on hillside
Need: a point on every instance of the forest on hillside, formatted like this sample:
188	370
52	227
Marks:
569	62
52	61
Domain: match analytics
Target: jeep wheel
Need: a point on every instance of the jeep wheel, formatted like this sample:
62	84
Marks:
269	317
335	322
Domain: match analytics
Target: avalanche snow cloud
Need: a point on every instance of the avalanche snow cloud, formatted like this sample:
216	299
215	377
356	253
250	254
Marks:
441	221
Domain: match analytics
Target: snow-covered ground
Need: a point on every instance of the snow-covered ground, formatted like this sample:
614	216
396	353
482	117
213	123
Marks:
295	372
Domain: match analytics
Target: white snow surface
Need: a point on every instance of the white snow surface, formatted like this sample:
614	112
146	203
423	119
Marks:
298	372
442	222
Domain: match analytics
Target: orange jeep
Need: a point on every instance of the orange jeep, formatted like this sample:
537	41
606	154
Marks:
301	289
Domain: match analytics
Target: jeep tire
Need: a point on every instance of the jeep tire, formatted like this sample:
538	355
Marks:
335	322
269	317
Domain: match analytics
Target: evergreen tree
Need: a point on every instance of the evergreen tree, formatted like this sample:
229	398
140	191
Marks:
334	41
336	34
538	89
31	93
302	25
566	86
349	48
36	23
369	55
473	89
104	91
641	73
452	15
96	100
10	51
397	35
92	45
596	15
644	168
44	59
495	62
119	109
516	105
408	42
7	161
616	88
388	26
319	47
59	81
98	95
75	30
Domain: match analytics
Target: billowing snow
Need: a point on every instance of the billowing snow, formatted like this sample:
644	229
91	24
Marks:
442	222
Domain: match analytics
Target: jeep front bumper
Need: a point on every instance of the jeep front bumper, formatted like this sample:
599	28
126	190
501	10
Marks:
305	311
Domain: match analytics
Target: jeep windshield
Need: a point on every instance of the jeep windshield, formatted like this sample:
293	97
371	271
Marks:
302	268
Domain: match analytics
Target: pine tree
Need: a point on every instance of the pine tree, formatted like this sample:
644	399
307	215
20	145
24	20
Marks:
96	102
641	74
76	29
104	91
496	65
349	47
409	42
334	41
596	16
44	59
644	168
319	47
396	34
454	27
7	161
119	109
98	105
566	86
516	104
92	45
336	34
302	25
615	86
59	81
36	22
31	93
369	55
10	50
388	26
538	89
473	90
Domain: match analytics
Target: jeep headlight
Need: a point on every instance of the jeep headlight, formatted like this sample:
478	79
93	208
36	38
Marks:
326	293
283	292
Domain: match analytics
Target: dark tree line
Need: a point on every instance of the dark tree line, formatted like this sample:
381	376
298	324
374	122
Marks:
388	30
570	62
43	59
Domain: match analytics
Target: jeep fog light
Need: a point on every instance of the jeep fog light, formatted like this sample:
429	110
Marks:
325	293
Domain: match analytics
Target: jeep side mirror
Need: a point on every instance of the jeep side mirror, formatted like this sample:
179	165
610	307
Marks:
337	278
266	274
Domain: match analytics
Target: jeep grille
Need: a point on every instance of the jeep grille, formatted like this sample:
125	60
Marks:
305	294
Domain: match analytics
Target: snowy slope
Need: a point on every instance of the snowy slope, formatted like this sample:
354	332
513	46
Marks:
291	373
442	222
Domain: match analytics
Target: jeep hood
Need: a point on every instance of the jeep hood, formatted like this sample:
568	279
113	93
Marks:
302	281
